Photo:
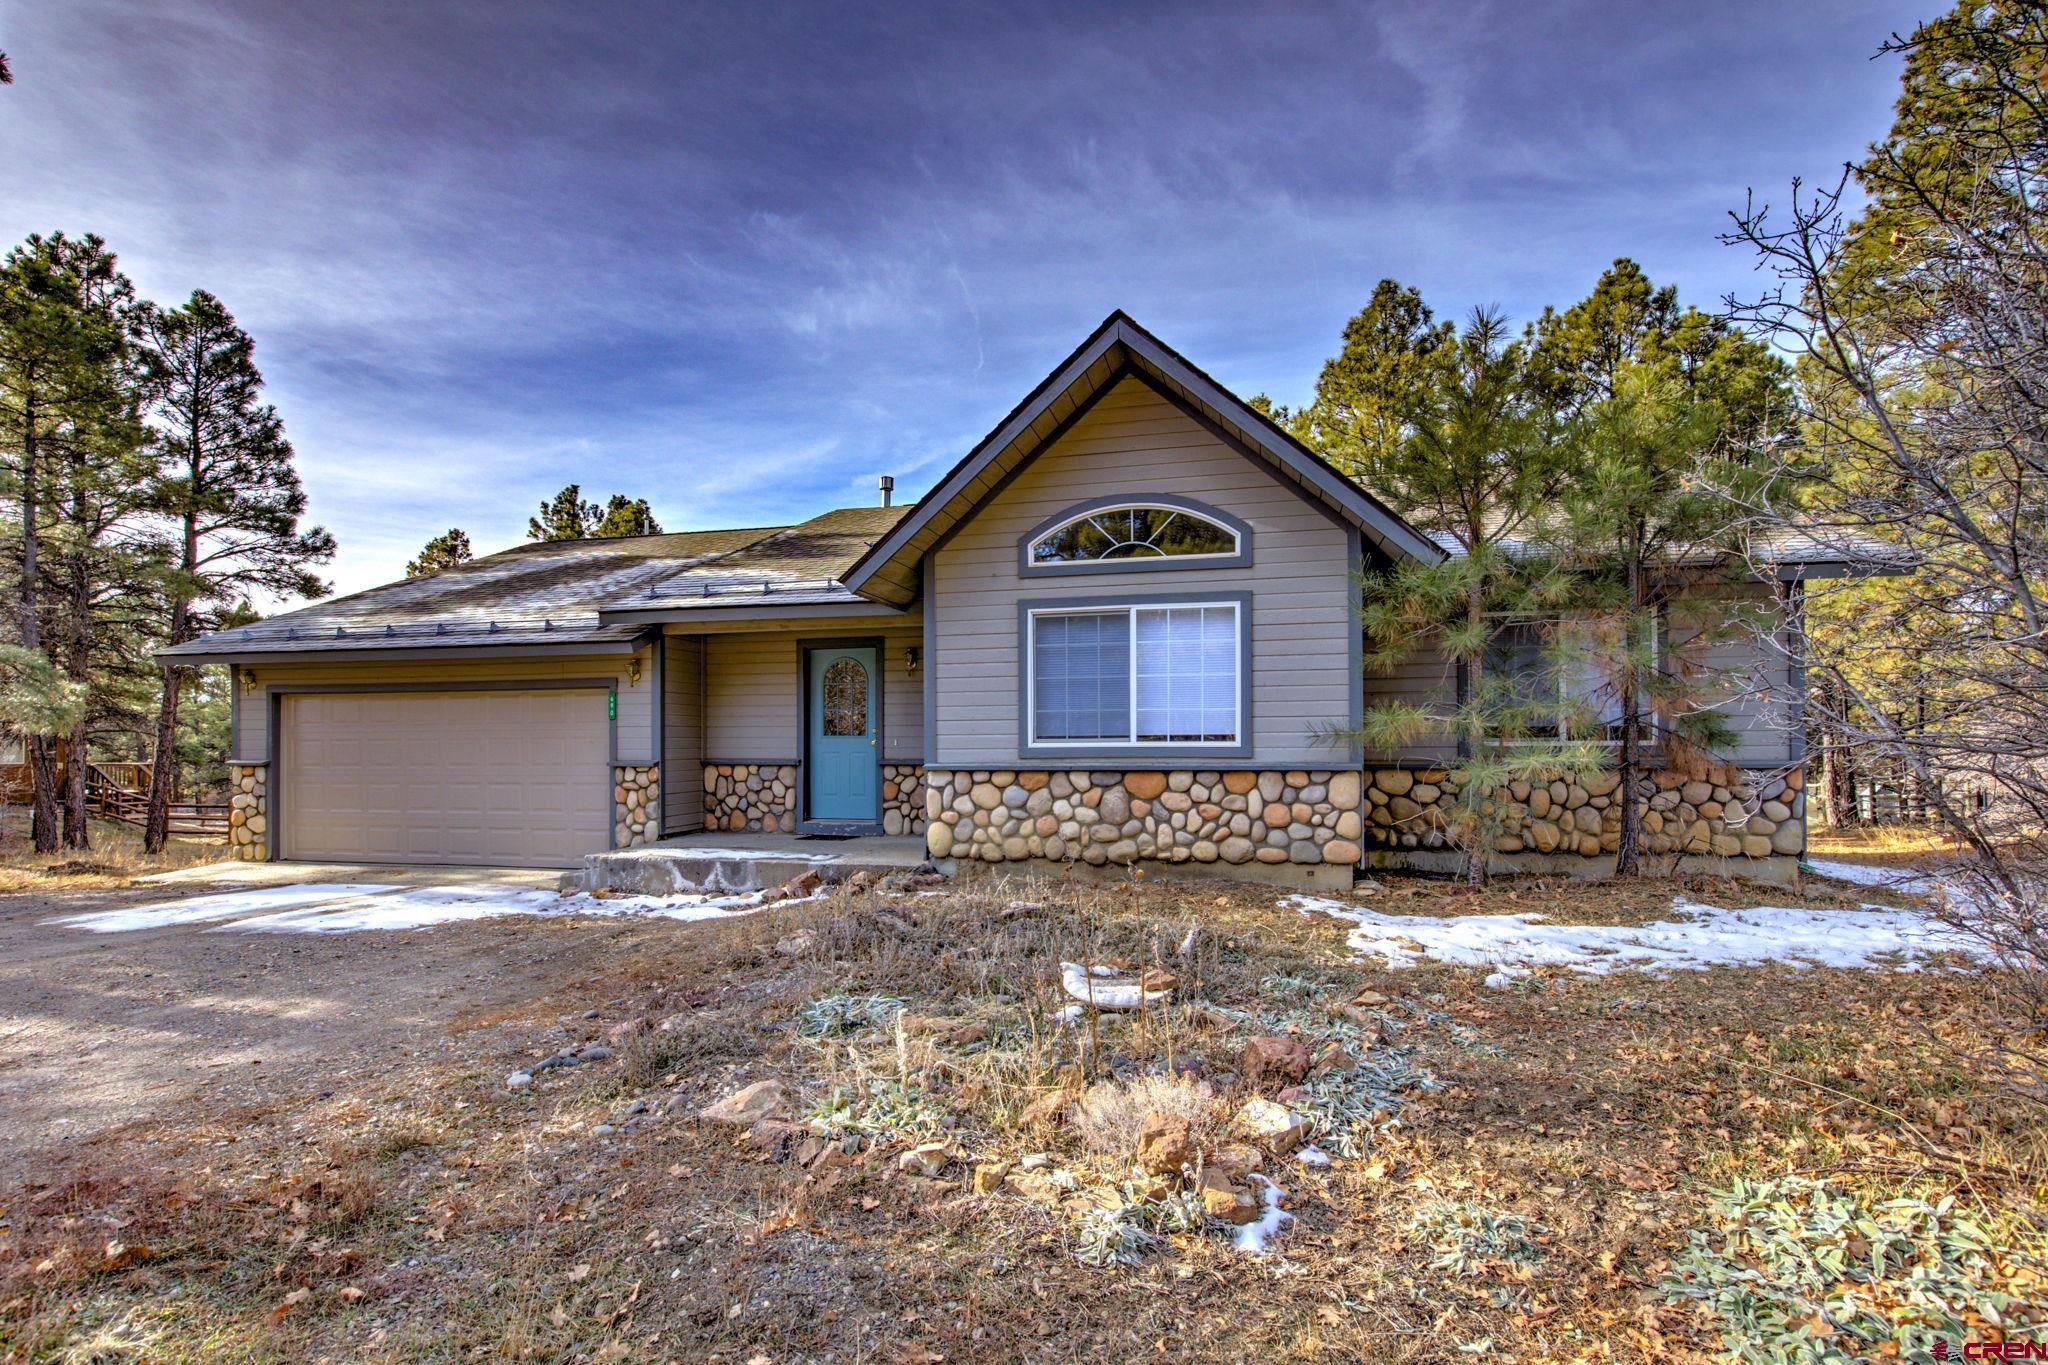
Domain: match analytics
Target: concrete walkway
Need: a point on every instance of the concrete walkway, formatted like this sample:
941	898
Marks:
719	862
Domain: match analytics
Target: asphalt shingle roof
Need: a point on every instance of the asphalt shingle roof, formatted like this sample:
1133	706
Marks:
548	592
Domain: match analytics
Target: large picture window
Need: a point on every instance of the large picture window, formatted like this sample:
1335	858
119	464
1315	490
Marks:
1136	675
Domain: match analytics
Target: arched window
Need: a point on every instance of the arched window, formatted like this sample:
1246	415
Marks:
1133	533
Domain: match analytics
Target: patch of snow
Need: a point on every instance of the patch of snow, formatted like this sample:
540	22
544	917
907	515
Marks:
426	906
1256	1238
346	908
1070	1016
1704	936
1505	978
1312	1156
222	905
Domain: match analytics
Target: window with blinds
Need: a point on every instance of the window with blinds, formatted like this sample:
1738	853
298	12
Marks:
1136	675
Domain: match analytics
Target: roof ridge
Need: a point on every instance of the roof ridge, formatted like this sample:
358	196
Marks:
641	535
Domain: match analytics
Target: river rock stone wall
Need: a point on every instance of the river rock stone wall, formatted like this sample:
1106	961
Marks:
636	804
759	798
1728	813
902	798
1180	816
249	812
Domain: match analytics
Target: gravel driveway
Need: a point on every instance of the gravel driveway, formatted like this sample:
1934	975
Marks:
103	1028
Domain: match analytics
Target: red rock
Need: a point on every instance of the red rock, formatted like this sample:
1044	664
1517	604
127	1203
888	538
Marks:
1165	1143
1271	1060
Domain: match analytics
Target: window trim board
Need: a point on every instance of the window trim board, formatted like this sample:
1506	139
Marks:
1240	558
1156	751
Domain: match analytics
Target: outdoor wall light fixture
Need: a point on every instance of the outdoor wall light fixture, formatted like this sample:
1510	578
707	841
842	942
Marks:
633	672
911	658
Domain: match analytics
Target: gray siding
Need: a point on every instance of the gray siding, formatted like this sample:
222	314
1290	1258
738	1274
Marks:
1135	442
753	708
637	741
1754	684
682	734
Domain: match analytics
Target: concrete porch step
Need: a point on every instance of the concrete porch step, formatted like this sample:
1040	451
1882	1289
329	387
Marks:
720	864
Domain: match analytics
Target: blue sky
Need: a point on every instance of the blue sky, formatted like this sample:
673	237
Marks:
742	260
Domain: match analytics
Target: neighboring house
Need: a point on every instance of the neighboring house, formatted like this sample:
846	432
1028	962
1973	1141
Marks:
1109	635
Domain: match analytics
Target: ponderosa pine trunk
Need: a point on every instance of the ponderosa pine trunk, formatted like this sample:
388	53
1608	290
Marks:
42	761
1628	847
156	826
77	828
1476	842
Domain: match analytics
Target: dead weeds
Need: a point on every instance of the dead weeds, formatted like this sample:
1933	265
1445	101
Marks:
1525	1164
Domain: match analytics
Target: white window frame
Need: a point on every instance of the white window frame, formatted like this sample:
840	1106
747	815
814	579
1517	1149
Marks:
1238	740
1236	536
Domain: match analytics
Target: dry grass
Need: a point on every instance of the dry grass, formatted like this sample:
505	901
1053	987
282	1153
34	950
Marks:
1901	845
1597	1111
115	858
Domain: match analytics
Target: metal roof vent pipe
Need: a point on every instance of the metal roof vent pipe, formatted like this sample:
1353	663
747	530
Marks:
888	488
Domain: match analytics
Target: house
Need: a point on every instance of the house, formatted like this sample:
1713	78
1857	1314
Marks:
1111	634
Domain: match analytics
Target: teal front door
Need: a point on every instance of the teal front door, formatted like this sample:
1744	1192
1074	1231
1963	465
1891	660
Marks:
845	762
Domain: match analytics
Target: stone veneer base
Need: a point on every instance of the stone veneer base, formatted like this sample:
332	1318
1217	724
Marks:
1726	817
1239	818
249	812
636	804
760	798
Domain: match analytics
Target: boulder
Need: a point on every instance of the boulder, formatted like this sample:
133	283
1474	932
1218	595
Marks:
1272	1060
925	1159
1226	1199
746	1107
1166	1143
1273	1126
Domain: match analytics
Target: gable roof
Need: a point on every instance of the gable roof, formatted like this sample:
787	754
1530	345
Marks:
545	594
888	572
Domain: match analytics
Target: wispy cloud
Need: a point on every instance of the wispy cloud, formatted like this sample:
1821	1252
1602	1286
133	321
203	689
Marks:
742	261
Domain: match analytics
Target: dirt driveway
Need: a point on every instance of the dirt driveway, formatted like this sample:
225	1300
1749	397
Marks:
103	1028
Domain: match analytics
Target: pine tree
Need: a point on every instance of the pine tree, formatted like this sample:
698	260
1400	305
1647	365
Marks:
444	551
566	516
1660	397
225	476
67	439
626	517
563	517
1443	424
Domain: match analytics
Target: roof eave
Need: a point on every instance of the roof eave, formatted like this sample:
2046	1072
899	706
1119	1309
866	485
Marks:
1119	329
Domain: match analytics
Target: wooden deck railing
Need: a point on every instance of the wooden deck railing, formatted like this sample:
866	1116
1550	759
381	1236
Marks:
108	796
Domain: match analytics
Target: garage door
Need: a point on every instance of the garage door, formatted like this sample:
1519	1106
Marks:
486	777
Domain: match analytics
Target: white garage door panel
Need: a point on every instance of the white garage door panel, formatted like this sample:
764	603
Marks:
485	777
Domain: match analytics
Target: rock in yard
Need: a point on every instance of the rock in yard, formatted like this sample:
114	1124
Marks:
1332	1057
926	1159
619	1034
796	945
1048	1110
762	1100
1272	1060
989	1177
802	884
1274	1127
1158	979
1226	1199
519	1080
1165	1143
1237	1160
